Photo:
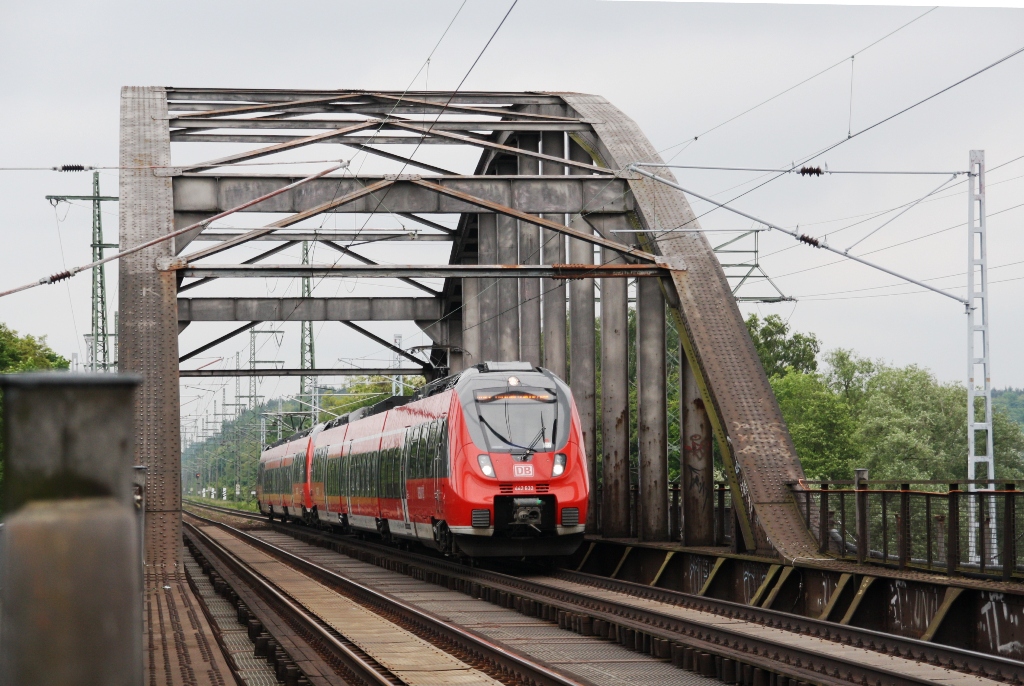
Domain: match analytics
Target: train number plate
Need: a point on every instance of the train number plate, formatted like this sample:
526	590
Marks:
522	488
522	470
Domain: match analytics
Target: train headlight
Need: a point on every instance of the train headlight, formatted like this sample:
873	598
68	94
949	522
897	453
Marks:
559	465
485	465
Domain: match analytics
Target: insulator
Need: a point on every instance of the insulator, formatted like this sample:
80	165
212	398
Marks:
809	240
70	168
811	171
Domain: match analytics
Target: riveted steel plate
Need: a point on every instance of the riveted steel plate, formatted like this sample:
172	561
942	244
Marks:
763	451
148	331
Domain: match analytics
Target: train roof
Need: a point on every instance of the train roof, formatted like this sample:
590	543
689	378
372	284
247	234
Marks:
432	388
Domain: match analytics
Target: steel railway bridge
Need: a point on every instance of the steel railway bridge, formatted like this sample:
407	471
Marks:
547	208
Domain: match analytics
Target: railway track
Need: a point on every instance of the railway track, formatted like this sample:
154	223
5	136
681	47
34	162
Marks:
349	632
714	638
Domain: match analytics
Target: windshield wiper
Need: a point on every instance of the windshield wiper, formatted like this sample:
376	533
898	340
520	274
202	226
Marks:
541	435
500	437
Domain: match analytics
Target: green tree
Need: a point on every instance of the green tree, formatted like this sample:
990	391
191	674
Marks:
362	391
912	426
1012	401
26	353
23	354
232	455
778	349
820	422
899	422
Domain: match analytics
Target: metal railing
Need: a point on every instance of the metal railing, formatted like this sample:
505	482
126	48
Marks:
722	513
917	524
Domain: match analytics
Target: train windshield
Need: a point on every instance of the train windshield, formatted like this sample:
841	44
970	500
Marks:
528	413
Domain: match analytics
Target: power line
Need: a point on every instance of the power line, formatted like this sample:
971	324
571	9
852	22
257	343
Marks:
895	285
800	237
892	295
68	273
878	123
688	141
876	214
806	171
85	168
896	245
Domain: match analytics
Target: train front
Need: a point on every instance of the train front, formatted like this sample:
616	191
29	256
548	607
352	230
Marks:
519	471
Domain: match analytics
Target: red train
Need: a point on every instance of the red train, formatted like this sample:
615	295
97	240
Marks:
489	462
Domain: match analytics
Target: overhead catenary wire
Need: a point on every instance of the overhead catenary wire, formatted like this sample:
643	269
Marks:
896	285
988	215
68	273
81	167
444	107
905	210
835	145
800	237
873	215
397	104
803	171
693	139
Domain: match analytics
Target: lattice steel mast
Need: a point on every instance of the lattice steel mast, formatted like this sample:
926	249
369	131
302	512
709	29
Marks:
98	340
307	352
978	356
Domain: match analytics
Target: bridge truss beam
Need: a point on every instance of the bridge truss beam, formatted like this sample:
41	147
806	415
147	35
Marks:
551	183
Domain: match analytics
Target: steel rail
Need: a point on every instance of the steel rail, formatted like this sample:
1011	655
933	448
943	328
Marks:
713	638
912	649
500	656
369	670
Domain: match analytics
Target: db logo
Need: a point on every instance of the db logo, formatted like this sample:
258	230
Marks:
522	470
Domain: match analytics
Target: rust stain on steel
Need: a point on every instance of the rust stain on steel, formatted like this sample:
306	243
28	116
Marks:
758	452
593	238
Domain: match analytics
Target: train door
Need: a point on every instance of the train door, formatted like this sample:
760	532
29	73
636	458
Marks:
346	478
436	466
404	477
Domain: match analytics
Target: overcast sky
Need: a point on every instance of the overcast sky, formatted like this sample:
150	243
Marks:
678	69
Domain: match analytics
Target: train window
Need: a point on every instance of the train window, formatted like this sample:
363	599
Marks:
442	448
375	473
344	466
360	466
392	473
533	415
414	447
368	474
425	457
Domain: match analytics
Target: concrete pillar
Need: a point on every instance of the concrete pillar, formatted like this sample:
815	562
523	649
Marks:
148	325
508	290
651	416
487	295
553	252
529	253
71	596
697	470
